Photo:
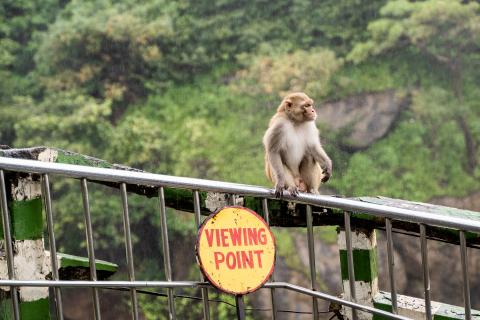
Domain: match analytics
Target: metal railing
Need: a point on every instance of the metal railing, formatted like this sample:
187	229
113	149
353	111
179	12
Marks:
122	177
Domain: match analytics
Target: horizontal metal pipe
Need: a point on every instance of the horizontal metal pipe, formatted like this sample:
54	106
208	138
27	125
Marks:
102	284
190	284
324	296
150	179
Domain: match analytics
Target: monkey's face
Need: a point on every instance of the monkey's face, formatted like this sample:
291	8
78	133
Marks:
299	107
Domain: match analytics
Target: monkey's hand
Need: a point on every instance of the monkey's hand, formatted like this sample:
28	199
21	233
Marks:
327	171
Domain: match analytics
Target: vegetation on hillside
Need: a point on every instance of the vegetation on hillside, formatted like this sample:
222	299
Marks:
187	88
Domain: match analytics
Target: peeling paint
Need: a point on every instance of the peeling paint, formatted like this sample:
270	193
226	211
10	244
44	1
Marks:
215	201
364	251
26	189
48	155
415	307
412	307
360	240
364	292
31	263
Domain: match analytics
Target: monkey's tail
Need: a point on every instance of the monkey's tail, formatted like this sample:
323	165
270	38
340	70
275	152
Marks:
268	169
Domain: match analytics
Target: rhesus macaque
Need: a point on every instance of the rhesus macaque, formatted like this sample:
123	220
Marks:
294	157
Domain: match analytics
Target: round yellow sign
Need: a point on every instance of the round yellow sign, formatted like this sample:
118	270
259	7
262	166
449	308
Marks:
236	250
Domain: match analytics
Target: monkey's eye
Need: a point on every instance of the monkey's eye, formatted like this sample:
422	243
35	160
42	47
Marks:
306	106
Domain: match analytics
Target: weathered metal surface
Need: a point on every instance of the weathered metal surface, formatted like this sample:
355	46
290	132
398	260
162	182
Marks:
282	213
421	206
414	308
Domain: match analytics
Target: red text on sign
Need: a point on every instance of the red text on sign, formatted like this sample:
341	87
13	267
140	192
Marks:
243	259
226	237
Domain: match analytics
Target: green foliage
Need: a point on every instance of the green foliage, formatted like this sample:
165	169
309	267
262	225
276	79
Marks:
207	125
342	22
187	88
300	70
109	50
20	21
445	33
428	165
66	120
442	29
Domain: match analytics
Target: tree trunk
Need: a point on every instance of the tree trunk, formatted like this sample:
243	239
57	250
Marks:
470	143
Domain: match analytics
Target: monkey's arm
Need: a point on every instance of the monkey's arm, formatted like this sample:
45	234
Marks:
276	165
272	141
323	159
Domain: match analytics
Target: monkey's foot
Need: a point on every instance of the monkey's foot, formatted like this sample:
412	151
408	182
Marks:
293	191
301	185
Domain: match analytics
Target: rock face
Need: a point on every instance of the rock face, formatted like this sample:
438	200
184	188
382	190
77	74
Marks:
362	119
470	202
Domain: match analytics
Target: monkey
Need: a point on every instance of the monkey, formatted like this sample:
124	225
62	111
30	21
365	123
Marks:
294	157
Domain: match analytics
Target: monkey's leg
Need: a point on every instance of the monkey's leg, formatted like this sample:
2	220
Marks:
311	173
290	182
301	185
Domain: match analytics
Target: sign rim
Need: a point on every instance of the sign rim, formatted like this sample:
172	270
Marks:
199	260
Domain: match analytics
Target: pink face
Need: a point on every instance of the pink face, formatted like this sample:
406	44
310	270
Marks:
309	111
299	107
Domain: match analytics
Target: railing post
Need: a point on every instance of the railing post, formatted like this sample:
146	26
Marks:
272	277
364	253
24	208
426	272
90	247
47	200
197	209
166	253
311	259
7	265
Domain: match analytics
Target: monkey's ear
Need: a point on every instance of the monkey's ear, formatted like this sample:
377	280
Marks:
288	104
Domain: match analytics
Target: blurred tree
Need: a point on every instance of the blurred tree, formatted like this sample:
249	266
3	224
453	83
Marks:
20	21
276	75
67	120
338	24
445	32
107	50
183	87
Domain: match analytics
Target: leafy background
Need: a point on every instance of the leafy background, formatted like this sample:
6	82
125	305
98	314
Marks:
187	88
